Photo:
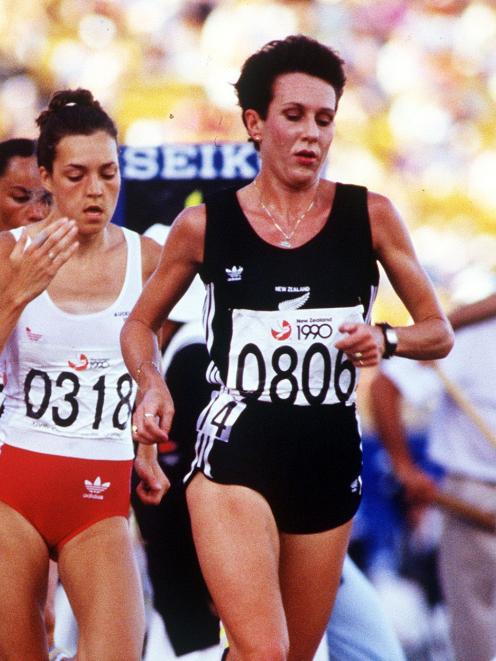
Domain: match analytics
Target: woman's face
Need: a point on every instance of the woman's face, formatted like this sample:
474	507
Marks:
85	179
22	198
298	130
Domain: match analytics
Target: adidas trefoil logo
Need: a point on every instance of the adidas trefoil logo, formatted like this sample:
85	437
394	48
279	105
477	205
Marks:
34	337
356	485
234	274
95	489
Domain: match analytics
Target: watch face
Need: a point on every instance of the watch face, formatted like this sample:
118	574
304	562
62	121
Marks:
392	337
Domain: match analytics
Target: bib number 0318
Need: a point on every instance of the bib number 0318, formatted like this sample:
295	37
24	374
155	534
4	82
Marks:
71	385
289	377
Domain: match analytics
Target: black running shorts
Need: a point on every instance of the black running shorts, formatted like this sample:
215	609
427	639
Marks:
304	460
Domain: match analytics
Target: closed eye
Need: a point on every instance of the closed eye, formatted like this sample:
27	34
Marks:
324	118
293	117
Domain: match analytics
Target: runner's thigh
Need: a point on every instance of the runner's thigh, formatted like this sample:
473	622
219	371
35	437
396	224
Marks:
237	543
23	587
100	576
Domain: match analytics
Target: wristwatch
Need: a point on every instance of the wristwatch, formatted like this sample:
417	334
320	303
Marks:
390	339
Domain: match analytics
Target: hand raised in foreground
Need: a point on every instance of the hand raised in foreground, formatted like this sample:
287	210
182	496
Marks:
33	267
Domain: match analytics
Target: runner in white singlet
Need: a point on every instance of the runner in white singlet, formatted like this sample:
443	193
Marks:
66	288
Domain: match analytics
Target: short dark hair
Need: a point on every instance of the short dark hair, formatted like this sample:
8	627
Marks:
9	149
296	53
70	112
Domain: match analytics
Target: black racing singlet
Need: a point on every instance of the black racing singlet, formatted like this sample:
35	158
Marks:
272	314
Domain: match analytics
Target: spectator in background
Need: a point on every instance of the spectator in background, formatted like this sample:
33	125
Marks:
466	554
485	308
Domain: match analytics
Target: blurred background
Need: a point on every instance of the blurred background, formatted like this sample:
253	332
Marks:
416	122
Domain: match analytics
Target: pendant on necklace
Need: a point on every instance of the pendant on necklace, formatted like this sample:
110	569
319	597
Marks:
285	243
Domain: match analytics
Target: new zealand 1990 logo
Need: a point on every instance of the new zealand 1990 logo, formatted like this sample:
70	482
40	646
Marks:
283	332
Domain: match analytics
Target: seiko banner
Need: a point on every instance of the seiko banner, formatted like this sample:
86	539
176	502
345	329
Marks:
158	182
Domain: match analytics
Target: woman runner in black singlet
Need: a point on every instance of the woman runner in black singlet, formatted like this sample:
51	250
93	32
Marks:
289	265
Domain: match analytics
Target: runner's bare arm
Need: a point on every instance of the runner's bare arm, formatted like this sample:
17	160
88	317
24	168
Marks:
180	260
430	336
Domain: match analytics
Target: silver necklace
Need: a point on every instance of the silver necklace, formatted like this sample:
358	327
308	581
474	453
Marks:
286	242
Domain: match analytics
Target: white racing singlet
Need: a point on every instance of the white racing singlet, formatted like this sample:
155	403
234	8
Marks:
67	389
290	356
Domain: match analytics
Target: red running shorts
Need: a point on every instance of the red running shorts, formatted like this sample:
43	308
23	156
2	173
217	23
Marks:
62	496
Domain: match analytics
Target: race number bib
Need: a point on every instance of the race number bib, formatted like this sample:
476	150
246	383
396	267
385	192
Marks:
86	403
217	419
290	356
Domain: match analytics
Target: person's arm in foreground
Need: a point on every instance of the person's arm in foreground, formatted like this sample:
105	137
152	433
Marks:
430	336
179	262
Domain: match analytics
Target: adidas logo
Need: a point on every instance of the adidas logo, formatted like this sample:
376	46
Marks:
234	274
34	337
95	489
356	485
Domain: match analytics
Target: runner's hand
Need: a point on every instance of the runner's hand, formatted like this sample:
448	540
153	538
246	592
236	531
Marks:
33	267
152	418
363	344
153	482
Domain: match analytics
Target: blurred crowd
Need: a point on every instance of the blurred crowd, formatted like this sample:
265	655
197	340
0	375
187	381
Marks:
416	122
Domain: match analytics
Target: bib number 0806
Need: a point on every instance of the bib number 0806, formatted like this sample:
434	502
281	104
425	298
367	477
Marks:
284	363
